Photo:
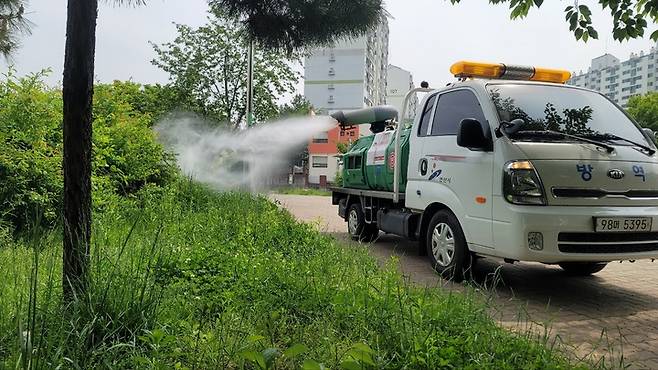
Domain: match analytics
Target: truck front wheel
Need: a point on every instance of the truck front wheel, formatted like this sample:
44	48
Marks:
447	248
582	268
357	226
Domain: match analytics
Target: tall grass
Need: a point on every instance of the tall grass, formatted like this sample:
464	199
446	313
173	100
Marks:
192	279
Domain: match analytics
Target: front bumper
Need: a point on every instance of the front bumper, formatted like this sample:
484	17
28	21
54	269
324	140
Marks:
578	242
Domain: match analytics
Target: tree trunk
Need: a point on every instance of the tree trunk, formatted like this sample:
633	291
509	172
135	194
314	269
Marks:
78	91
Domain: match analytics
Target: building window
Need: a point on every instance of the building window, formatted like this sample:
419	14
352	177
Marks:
331	87
331	99
332	72
321	138
332	56
320	161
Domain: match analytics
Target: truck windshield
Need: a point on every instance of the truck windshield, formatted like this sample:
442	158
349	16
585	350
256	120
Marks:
564	110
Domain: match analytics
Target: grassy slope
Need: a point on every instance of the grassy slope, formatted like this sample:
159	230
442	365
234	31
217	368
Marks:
193	279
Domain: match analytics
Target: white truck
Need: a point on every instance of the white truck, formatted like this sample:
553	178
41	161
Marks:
510	162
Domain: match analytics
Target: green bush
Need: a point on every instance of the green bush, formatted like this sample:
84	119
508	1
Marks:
126	155
125	147
31	156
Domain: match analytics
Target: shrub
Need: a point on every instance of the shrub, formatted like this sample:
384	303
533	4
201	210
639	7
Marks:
31	157
126	155
125	147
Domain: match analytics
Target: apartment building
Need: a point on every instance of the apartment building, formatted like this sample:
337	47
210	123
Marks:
620	80
400	81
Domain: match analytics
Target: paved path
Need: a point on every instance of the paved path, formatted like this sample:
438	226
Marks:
611	315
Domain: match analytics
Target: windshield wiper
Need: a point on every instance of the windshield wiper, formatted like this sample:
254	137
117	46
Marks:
608	136
608	148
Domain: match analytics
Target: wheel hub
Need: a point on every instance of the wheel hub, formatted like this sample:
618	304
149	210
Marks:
443	244
352	222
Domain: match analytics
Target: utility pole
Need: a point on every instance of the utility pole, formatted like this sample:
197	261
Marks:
250	85
249	173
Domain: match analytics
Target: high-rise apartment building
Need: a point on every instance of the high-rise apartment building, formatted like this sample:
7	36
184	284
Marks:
350	75
400	81
620	80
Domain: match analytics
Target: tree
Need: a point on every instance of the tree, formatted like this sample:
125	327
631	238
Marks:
12	24
645	110
77	95
297	107
630	18
207	68
292	25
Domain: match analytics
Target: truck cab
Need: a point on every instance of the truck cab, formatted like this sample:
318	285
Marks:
510	162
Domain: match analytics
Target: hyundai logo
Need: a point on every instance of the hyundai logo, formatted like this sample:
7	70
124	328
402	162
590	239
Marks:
616	174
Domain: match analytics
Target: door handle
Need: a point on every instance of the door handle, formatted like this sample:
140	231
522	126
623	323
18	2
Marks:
418	192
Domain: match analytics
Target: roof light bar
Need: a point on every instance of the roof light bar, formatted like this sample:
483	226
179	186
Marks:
508	72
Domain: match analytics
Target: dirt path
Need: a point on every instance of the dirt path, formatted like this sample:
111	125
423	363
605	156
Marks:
610	314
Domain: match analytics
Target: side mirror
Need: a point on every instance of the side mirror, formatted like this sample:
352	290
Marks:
651	134
471	135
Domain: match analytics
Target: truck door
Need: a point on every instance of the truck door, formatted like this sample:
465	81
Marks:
458	177
417	168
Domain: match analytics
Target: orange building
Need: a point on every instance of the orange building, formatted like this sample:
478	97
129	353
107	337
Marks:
323	151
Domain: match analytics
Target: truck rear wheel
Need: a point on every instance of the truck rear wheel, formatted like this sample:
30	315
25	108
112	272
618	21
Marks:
582	268
447	248
357	226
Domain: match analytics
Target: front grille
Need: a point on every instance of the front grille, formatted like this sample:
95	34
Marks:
600	193
608	242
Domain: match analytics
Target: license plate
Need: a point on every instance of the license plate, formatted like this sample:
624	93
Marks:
622	224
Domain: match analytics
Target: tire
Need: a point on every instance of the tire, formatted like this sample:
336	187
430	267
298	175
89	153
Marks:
447	248
357	227
582	268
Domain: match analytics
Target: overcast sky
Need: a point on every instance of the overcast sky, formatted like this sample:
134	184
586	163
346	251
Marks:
427	36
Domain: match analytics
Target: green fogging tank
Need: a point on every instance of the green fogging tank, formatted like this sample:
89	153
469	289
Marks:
370	161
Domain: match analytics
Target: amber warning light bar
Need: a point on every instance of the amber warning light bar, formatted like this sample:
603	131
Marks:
508	72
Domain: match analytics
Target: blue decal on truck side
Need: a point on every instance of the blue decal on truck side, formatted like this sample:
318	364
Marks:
434	175
585	171
639	172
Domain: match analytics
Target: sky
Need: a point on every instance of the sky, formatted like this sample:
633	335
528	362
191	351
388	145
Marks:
426	37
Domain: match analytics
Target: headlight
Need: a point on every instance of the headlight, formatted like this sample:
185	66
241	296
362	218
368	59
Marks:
521	184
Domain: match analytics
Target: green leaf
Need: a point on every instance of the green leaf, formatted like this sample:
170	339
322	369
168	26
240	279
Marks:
538	3
312	365
584	10
295	350
362	347
255	357
573	22
578	33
